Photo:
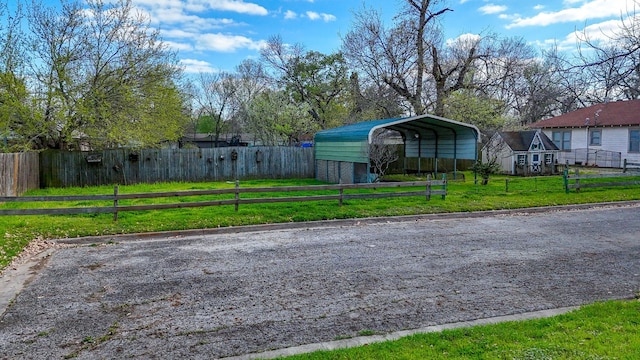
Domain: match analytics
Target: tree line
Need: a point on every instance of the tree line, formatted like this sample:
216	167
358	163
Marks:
96	73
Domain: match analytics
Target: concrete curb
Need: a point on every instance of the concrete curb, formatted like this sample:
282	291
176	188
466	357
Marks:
334	223
14	279
366	340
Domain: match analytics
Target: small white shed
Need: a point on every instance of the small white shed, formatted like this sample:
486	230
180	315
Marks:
528	152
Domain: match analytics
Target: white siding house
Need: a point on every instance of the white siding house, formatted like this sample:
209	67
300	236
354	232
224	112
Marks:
601	135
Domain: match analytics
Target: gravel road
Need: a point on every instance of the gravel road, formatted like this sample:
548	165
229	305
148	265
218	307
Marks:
220	295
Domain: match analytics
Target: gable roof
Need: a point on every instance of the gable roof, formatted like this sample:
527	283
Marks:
615	113
521	140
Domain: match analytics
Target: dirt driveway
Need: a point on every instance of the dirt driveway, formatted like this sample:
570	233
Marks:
219	295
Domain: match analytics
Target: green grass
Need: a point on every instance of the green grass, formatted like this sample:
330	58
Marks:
17	231
605	330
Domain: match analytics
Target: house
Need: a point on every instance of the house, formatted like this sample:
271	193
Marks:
522	152
207	141
599	135
343	154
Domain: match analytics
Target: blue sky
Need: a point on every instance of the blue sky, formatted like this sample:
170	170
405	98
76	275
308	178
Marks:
214	35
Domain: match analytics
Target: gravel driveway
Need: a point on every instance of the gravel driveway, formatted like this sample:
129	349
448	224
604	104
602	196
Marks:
219	295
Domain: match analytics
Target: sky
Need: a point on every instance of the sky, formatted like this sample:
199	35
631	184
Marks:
216	35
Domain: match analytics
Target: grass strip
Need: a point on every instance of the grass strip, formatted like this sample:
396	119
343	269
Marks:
604	330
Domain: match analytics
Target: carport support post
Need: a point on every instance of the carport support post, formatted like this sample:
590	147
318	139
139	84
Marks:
115	203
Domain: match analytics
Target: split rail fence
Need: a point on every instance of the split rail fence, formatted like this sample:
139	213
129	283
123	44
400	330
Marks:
598	180
431	187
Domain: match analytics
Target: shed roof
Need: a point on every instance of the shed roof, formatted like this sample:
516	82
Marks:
426	136
521	140
615	113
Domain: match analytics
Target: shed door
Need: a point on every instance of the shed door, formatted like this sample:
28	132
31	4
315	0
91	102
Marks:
535	163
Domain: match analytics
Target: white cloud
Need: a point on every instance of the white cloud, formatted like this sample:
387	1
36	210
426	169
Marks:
593	9
492	9
464	41
227	43
179	46
196	66
290	15
538	7
238	6
312	15
602	33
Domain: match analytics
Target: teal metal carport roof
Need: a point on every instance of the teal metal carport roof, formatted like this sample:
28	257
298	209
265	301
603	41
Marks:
425	136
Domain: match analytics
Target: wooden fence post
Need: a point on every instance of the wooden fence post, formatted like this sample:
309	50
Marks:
237	195
624	167
577	180
428	190
115	203
565	178
341	194
506	185
444	186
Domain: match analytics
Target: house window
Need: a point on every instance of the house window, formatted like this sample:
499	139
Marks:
535	158
562	139
522	159
595	137
634	140
548	159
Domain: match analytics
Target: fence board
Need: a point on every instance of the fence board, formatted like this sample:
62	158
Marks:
19	172
126	166
579	185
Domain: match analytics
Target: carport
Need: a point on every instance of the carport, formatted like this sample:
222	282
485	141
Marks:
342	153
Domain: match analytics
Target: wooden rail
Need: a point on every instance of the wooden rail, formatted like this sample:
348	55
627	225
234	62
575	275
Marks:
116	197
580	185
630	166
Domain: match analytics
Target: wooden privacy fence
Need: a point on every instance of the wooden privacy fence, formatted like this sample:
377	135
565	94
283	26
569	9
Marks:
19	172
128	166
578	184
237	200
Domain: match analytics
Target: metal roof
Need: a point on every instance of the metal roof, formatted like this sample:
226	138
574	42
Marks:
425	136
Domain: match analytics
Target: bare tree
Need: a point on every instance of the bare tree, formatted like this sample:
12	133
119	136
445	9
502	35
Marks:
215	96
612	61
382	154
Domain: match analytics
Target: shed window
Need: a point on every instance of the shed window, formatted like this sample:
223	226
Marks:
548	159
522	159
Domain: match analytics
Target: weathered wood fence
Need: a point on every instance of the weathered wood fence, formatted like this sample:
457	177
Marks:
630	167
19	172
126	166
115	198
578	184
